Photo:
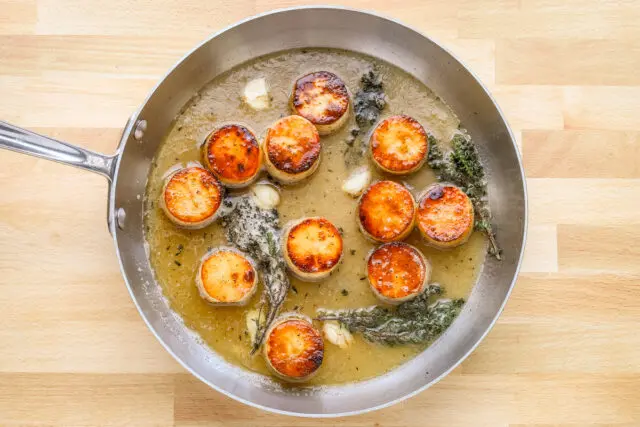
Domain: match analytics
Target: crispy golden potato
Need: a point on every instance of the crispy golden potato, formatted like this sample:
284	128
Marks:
226	277
232	153
399	145
397	272
445	216
191	197
292	149
323	99
386	212
312	248
293	348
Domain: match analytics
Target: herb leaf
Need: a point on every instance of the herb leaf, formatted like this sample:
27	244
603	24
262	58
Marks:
415	321
256	232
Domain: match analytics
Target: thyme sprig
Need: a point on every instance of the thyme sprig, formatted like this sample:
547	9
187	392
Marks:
462	167
256	232
412	322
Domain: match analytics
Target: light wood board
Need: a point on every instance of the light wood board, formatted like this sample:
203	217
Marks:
566	352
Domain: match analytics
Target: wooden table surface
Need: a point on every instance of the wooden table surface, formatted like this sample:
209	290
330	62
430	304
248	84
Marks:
566	352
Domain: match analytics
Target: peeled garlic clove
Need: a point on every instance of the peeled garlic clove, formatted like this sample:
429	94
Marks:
266	196
253	319
356	183
256	94
337	334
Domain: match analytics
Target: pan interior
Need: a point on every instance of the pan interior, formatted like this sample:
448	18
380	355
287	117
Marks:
366	34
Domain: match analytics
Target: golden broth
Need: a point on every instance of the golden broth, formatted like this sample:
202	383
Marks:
223	328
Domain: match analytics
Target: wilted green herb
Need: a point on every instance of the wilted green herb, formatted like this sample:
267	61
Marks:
462	167
256	232
415	321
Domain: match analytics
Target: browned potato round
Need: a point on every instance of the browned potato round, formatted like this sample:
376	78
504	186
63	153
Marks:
397	272
323	99
445	216
191	197
386	212
292	149
232	153
312	248
399	145
293	348
226	277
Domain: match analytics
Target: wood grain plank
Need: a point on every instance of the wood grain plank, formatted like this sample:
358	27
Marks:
531	107
458	400
579	297
72	99
18	16
559	24
590	247
85	400
583	201
35	54
565	153
575	62
195	19
541	251
602	107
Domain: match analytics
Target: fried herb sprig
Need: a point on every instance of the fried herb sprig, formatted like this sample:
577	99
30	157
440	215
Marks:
462	167
256	231
413	322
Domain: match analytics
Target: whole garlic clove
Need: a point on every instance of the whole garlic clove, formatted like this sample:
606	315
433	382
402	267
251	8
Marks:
266	196
256	94
356	183
253	319
337	334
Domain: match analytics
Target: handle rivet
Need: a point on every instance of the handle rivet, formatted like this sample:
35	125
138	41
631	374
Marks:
141	127
120	217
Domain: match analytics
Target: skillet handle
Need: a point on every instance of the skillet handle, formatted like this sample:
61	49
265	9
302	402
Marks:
27	142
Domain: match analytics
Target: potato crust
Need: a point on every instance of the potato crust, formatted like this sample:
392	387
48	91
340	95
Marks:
294	349
445	216
232	153
397	272
191	197
313	247
225	276
399	145
386	212
292	149
322	98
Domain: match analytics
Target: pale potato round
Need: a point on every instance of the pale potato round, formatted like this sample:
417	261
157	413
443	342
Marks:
233	154
323	99
226	277
386	212
293	348
445	216
397	272
292	149
312	248
399	145
191	197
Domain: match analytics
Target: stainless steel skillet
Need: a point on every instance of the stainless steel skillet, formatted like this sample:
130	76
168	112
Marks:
367	33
